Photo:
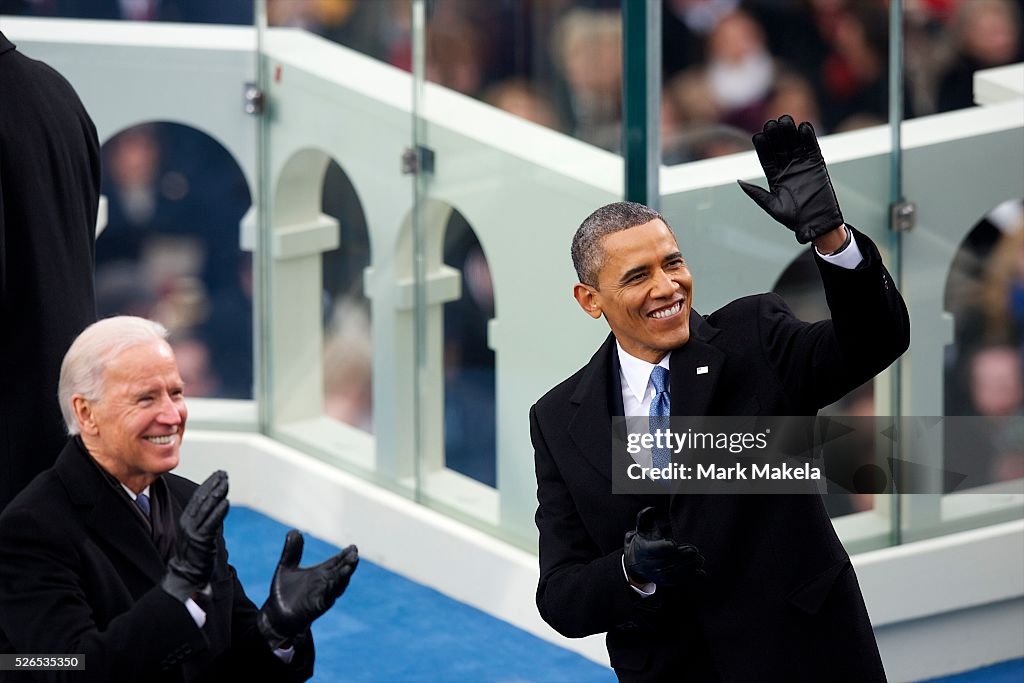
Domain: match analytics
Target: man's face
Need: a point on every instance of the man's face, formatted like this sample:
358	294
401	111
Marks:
135	428
644	290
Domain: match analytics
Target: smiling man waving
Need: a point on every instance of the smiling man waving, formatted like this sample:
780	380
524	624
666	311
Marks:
711	587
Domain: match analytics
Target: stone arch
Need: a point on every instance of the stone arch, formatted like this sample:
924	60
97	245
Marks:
305	243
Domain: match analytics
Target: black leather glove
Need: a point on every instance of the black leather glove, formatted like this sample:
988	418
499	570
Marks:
801	196
299	596
190	569
660	560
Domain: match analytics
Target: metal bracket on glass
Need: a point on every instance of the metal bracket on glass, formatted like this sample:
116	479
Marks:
253	99
416	160
903	216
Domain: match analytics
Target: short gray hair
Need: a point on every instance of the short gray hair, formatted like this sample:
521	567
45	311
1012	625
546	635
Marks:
587	254
81	372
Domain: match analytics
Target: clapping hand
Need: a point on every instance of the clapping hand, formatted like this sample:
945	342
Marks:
662	561
190	569
299	596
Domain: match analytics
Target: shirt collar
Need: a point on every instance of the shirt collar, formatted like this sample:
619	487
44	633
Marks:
636	372
132	494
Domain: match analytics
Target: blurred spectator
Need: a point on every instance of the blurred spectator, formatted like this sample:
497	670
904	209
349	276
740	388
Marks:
293	13
740	71
1003	285
987	33
689	119
378	28
686	25
799	32
854	77
457	55
995	381
521	98
996	389
711	110
194	365
131	170
122	289
588	52
348	367
792	94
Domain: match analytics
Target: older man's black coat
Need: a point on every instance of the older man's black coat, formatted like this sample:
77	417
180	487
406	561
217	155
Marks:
49	191
80	574
781	601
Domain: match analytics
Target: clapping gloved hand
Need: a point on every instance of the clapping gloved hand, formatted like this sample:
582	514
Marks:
653	558
801	196
299	596
189	571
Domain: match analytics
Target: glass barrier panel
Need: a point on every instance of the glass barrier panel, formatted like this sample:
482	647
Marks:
962	262
519	112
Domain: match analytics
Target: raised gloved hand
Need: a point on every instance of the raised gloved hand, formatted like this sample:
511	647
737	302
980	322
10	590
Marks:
801	196
299	596
651	557
190	569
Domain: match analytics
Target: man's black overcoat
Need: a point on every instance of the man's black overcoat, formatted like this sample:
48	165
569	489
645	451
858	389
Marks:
49	191
781	601
80	574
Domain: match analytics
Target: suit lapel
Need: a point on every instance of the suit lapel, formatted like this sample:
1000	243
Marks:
590	427
694	370
598	400
5	45
106	514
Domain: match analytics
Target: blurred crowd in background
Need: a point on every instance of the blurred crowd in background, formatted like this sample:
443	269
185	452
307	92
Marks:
171	249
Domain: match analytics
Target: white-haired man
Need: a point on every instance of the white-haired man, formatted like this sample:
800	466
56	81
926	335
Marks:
110	556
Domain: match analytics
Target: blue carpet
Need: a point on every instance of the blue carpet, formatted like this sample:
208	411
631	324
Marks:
387	628
1004	672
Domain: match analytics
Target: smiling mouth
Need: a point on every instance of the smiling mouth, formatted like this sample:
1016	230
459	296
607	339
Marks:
666	312
161	440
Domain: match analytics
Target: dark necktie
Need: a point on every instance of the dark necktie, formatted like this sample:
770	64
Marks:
142	500
659	414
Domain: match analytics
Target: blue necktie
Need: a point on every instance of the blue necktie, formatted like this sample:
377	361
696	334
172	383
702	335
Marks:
142	500
659	414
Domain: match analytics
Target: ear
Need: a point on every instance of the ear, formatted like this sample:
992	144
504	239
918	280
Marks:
83	410
588	299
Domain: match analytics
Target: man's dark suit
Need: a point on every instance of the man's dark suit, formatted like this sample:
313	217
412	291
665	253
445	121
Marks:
80	573
781	601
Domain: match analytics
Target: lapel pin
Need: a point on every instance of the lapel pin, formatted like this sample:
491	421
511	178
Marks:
702	370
